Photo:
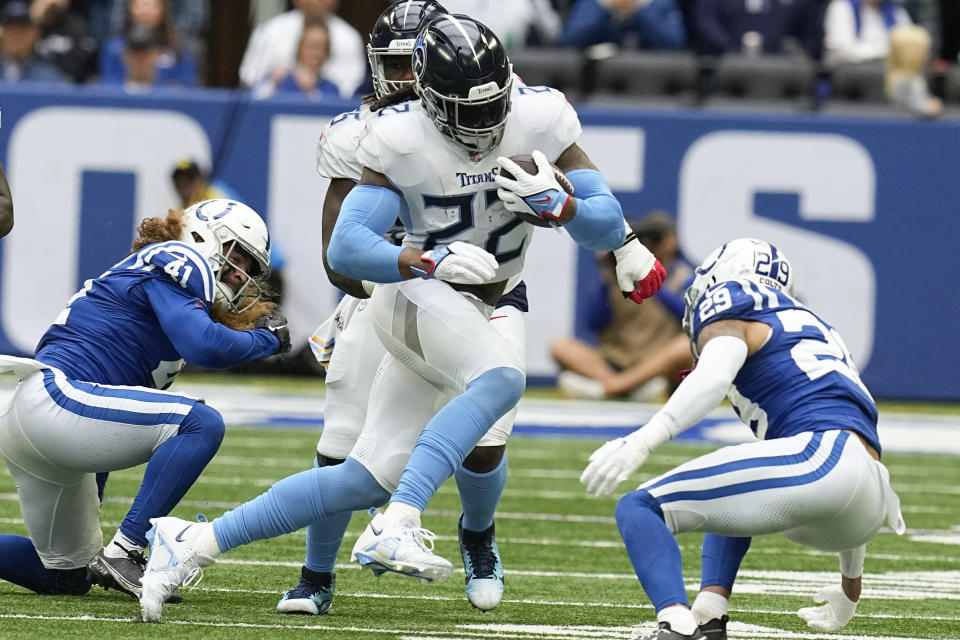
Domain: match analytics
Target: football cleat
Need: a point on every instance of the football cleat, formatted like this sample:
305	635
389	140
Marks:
122	574
386	545
664	632
173	562
313	594
715	629
482	566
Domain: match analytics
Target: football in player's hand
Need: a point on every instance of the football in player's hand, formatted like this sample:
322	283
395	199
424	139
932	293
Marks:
525	162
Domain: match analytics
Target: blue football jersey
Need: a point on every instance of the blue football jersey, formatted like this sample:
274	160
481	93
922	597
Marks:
802	378
109	333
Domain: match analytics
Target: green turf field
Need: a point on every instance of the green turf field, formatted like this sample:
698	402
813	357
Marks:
567	575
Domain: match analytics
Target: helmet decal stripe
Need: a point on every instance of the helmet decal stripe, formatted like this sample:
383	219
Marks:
463	32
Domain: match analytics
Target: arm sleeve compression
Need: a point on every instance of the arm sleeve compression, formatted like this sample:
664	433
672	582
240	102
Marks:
598	224
357	248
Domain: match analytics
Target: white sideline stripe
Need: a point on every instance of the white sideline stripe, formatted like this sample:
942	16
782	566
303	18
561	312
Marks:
551	603
877	585
464	631
616	544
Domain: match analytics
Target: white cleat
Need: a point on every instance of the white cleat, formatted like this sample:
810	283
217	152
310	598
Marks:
386	545
173	562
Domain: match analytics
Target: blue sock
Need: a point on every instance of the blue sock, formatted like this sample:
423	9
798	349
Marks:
454	431
480	494
652	548
324	538
720	560
300	500
20	564
173	468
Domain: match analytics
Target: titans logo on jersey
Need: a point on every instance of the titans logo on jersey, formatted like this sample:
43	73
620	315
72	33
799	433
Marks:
109	333
802	378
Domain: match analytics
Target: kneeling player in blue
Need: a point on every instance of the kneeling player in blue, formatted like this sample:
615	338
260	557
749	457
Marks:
91	400
814	474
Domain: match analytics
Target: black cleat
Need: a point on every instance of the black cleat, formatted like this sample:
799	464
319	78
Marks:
122	574
715	629
666	633
312	596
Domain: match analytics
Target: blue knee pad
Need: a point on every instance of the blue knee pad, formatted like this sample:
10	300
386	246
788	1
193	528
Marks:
628	505
206	422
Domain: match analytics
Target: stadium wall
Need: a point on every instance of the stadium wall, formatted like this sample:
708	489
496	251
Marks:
865	208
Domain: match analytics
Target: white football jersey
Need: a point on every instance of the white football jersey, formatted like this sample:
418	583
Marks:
337	147
450	197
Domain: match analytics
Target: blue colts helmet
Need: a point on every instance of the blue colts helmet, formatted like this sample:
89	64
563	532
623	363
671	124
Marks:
463	78
393	35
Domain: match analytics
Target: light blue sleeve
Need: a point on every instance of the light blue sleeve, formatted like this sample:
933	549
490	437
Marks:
357	248
598	224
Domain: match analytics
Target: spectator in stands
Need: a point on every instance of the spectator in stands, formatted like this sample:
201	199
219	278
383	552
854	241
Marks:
753	26
305	78
189	16
863	31
273	46
647	24
65	40
194	185
175	65
6	205
516	23
641	348
18	60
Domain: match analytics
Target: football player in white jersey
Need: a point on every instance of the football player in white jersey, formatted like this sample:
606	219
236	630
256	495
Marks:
351	351
91	400
455	328
814	474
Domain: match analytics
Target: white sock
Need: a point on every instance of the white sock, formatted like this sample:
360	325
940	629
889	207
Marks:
125	544
206	542
709	605
679	618
404	514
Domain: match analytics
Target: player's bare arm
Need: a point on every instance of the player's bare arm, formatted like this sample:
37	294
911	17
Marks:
336	192
573	157
6	205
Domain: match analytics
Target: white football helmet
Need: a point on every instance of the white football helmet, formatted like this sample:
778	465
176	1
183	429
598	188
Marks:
740	259
215	228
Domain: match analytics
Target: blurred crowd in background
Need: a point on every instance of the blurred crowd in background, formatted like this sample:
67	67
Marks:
903	52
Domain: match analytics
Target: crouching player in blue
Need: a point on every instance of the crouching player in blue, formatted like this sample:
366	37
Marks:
814	474
90	401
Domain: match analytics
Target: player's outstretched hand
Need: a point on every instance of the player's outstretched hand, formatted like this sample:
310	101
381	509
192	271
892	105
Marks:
613	463
836	612
277	325
539	194
639	274
459	262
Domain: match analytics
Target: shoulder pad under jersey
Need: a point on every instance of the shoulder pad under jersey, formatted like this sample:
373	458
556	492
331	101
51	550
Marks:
392	136
181	264
545	117
337	147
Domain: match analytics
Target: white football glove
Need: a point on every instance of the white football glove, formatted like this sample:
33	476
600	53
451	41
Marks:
613	463
459	262
833	615
539	195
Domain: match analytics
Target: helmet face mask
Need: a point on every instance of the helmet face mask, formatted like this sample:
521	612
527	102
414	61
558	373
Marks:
218	230
464	78
476	123
741	259
393	36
